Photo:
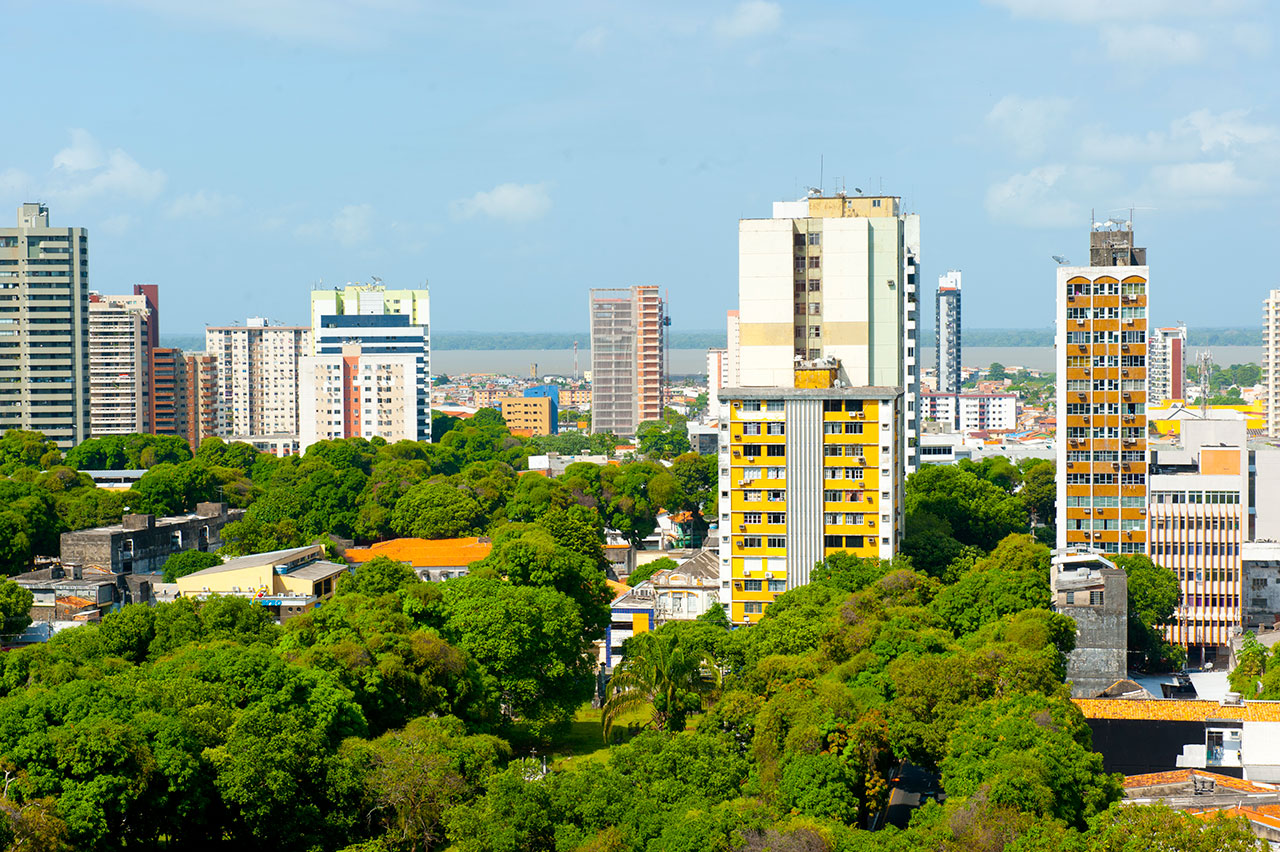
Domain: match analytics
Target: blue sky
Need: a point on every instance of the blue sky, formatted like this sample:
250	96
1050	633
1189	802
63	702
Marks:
236	152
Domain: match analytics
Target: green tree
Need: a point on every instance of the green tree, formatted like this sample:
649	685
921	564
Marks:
980	514
1030	753
1013	578
1152	598
188	562
379	576
658	669
647	570
437	510
15	606
996	371
1138	828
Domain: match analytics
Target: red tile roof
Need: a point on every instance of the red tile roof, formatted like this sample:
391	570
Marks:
425	553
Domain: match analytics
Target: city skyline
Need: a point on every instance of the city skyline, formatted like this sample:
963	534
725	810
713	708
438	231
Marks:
474	181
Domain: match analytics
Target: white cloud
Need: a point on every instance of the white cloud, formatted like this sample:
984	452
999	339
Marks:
201	205
749	19
592	41
510	202
1028	123
1151	44
82	155
349	227
1228	130
1201	181
1105	11
1044	197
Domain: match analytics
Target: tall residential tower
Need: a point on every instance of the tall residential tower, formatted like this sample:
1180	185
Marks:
44	328
833	278
1167	363
947	332
257	369
369	374
120	385
628	358
1102	393
1271	360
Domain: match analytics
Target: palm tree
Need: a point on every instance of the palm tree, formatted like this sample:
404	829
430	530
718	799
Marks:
657	669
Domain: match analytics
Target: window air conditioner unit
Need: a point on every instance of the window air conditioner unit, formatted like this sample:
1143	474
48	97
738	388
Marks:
1142	511
1088	511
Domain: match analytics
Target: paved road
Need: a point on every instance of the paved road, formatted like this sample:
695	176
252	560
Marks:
912	787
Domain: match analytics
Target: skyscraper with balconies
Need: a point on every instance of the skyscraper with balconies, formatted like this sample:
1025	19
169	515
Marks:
44	328
1167	363
947	333
1271	360
628	358
120	383
257	369
1102	394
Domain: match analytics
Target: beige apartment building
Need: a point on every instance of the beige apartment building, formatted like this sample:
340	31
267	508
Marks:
44	328
257	370
1271	360
832	279
119	365
628	358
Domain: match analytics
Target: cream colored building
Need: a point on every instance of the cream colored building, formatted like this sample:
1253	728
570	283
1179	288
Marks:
44	328
1271	360
358	394
368	373
257	367
119	365
831	278
286	582
628	365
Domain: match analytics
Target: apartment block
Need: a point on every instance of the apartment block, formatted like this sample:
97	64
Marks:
1167	363
833	278
170	399
1197	522
257	368
628	358
969	412
44	328
805	472
1270	360
1101	347
355	393
550	392
527	416
201	398
947	332
375	343
119	365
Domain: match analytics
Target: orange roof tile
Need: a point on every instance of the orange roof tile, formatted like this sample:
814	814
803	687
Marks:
1175	710
425	553
1260	814
1178	776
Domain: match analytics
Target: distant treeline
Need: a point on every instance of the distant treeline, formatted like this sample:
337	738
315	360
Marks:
558	340
1044	336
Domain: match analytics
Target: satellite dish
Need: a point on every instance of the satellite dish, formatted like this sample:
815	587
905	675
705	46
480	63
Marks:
1059	259
858	189
1097	224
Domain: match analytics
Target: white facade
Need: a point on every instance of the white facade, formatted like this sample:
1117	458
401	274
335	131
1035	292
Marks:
257	377
832	278
356	394
717	377
119	365
1167	363
733	351
1271	360
970	412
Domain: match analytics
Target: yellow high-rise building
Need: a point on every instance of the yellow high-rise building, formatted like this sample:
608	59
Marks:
804	472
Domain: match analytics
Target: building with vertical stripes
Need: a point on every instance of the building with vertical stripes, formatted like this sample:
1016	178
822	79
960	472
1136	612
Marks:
628	358
947	332
805	472
1198	516
1167	363
1271	360
1102	391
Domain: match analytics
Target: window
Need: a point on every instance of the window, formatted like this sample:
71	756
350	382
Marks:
815	284
751	451
777	496
831	428
777	585
833	496
1095	598
815	239
833	449
752	586
752	496
815	262
751	428
751	542
815	331
853	428
776	450
777	541
776	472
752	608
751	517
777	429
777	517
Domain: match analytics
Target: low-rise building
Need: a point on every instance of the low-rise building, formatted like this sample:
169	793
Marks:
1260	580
71	594
286	582
433	560
1094	593
142	543
529	416
967	412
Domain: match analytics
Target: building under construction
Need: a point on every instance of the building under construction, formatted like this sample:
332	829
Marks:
628	358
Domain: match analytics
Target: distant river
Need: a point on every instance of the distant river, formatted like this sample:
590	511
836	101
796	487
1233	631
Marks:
516	362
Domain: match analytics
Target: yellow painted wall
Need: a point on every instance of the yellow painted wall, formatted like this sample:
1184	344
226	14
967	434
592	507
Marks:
838	208
1219	461
639	622
225	582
